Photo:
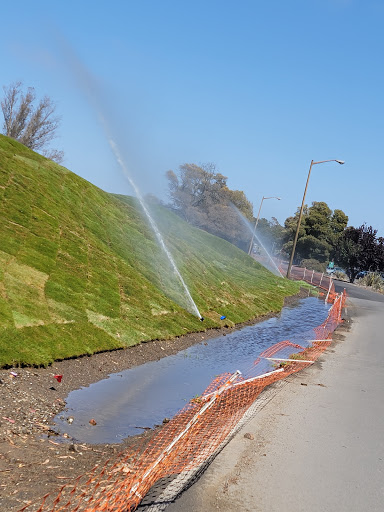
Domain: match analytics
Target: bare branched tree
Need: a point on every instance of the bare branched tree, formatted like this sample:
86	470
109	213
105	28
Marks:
35	127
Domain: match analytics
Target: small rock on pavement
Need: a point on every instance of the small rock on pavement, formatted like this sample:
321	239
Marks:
249	436
93	422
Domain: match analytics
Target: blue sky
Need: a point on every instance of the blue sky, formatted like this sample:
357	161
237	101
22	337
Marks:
259	88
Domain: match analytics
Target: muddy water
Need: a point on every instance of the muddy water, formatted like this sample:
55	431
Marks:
142	397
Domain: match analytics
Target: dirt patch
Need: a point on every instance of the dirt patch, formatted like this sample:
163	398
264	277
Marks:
33	459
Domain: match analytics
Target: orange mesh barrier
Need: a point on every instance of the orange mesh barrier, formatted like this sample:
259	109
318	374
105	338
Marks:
194	435
321	280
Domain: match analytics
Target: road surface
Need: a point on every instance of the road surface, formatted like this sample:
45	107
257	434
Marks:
318	445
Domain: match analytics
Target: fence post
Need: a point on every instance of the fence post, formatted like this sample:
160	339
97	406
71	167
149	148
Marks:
304	274
340	306
322	275
329	289
312	276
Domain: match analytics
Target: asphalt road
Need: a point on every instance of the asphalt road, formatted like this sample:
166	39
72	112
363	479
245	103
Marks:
356	292
318	445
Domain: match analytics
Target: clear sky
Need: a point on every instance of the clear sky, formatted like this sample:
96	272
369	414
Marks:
260	88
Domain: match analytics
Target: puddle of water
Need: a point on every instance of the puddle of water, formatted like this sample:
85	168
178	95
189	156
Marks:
143	396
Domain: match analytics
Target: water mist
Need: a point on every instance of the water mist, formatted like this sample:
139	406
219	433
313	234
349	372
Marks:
89	86
252	231
160	239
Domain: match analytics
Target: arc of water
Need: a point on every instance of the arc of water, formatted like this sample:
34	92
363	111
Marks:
90	86
251	229
269	256
152	223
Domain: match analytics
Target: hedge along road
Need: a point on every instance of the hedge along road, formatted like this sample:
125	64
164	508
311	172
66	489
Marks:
318	444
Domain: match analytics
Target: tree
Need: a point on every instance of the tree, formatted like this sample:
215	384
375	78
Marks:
380	253
318	220
313	248
201	196
359	249
271	233
320	230
33	126
290	225
338	223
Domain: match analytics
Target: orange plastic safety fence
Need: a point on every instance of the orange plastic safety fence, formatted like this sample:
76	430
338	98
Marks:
194	435
318	279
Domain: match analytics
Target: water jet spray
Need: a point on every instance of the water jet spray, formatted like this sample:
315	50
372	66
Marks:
251	229
194	310
89	85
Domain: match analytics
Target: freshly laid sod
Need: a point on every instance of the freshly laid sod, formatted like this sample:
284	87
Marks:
81	270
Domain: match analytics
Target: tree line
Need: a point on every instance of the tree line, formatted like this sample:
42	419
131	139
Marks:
201	196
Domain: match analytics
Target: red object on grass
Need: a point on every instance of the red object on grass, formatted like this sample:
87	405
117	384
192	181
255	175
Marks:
58	377
8	419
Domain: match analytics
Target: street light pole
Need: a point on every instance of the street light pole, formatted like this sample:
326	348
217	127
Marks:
341	162
257	221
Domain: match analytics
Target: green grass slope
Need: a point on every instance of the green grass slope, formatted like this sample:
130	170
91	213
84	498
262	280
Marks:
81	271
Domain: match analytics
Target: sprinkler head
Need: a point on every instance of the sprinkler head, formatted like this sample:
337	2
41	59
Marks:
201	319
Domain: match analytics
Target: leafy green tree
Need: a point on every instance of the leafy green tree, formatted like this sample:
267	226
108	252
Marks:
311	247
317	221
290	226
272	233
338	223
201	196
320	230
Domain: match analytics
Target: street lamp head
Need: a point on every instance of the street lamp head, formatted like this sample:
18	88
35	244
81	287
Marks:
341	162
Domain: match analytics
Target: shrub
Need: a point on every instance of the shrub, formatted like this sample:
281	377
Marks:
342	276
312	264
372	280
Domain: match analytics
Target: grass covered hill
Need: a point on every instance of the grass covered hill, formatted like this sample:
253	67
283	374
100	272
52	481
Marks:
81	271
